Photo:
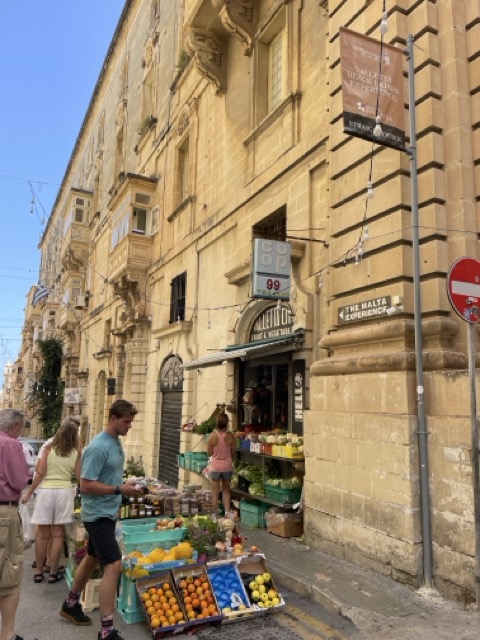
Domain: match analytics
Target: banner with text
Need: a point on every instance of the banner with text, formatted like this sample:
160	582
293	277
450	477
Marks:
372	84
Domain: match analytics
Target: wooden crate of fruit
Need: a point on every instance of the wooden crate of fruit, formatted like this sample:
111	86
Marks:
162	605
196	594
258	582
229	590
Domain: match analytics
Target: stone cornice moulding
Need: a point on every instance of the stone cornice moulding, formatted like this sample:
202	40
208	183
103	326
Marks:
209	54
237	17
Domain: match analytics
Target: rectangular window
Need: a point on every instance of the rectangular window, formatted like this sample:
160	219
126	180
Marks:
275	55
139	221
78	215
177	297
183	159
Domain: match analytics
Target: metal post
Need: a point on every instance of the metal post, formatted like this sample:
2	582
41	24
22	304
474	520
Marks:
475	460
422	427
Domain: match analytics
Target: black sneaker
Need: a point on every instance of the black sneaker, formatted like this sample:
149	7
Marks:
75	614
113	635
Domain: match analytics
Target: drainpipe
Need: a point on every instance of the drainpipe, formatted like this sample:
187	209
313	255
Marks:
422	427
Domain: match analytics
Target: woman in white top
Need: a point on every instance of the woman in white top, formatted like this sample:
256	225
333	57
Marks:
54	503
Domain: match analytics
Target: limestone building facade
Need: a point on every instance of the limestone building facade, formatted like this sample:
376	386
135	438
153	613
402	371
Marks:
215	123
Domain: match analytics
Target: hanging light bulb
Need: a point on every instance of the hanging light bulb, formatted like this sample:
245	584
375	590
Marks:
365	235
360	250
377	129
357	260
370	191
384	24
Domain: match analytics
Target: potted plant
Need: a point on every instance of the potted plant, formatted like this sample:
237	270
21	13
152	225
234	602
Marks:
203	533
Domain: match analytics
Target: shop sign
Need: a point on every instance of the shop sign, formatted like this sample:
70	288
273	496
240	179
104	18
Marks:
271	269
272	323
364	310
72	395
298	374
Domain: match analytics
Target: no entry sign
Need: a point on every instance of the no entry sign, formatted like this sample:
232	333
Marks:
463	287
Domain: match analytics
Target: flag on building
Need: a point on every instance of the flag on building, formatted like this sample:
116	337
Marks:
41	292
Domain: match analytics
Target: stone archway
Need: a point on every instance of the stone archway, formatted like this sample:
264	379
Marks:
171	398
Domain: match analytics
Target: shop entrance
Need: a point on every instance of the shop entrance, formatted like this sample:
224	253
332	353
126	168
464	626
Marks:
171	387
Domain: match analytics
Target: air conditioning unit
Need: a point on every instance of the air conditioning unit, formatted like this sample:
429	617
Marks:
80	302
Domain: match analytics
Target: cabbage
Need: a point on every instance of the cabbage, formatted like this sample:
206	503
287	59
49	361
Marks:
256	489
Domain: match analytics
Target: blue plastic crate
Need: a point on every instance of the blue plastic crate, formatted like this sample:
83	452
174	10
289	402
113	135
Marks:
128	602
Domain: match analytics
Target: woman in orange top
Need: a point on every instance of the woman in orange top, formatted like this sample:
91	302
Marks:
221	449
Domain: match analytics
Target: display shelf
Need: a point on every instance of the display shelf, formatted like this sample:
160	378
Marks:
248	496
267	455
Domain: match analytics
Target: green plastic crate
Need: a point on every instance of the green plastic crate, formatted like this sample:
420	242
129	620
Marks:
283	496
253	514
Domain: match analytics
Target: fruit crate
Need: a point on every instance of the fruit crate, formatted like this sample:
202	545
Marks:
283	496
253	514
156	581
193	582
229	590
250	567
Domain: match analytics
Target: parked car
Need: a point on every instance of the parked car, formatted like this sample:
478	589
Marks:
31	447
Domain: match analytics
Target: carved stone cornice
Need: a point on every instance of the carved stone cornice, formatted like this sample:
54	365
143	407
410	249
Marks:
209	56
237	17
129	287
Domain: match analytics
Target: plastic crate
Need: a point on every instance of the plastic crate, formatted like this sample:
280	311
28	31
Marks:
128	602
253	514
90	598
138	525
283	496
146	541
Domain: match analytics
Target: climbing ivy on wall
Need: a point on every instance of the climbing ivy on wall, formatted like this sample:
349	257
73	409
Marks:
46	397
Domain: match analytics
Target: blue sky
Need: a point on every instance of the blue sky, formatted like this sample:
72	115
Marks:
51	53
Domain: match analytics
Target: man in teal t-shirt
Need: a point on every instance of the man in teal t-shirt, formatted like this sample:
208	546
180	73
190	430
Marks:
102	488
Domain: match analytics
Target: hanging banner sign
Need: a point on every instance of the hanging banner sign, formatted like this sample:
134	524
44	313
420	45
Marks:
372	84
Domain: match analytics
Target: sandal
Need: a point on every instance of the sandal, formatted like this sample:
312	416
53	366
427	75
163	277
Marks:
61	569
55	577
38	577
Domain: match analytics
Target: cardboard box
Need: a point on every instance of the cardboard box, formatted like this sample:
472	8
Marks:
251	566
284	524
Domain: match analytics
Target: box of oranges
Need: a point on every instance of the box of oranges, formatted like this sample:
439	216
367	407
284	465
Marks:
196	594
162	605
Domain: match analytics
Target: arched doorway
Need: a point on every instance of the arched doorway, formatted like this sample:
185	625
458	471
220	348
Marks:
171	387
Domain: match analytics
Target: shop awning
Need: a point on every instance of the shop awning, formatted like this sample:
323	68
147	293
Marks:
249	350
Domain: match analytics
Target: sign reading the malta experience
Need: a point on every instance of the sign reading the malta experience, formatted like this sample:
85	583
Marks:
72	395
364	310
271	269
372	84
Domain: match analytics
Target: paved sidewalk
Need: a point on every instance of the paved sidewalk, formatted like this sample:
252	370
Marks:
379	607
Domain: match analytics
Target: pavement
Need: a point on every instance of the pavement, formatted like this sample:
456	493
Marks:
378	607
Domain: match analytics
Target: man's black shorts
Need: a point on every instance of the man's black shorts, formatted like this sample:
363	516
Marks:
102	543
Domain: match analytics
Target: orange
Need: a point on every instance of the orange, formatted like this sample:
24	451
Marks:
203	604
169	613
178	616
199	591
212	609
155	622
187	600
197	582
169	593
207	593
165	606
157	605
191	615
160	592
190	579
165	586
203	578
191	588
148	603
152	590
162	599
151	611
165	624
172	600
183	584
175	608
209	599
155	597
172	620
195	603
145	596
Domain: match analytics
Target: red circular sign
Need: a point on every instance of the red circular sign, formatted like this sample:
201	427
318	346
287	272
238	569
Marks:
463	287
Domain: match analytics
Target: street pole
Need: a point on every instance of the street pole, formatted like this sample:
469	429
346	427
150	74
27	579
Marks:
475	461
422	427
